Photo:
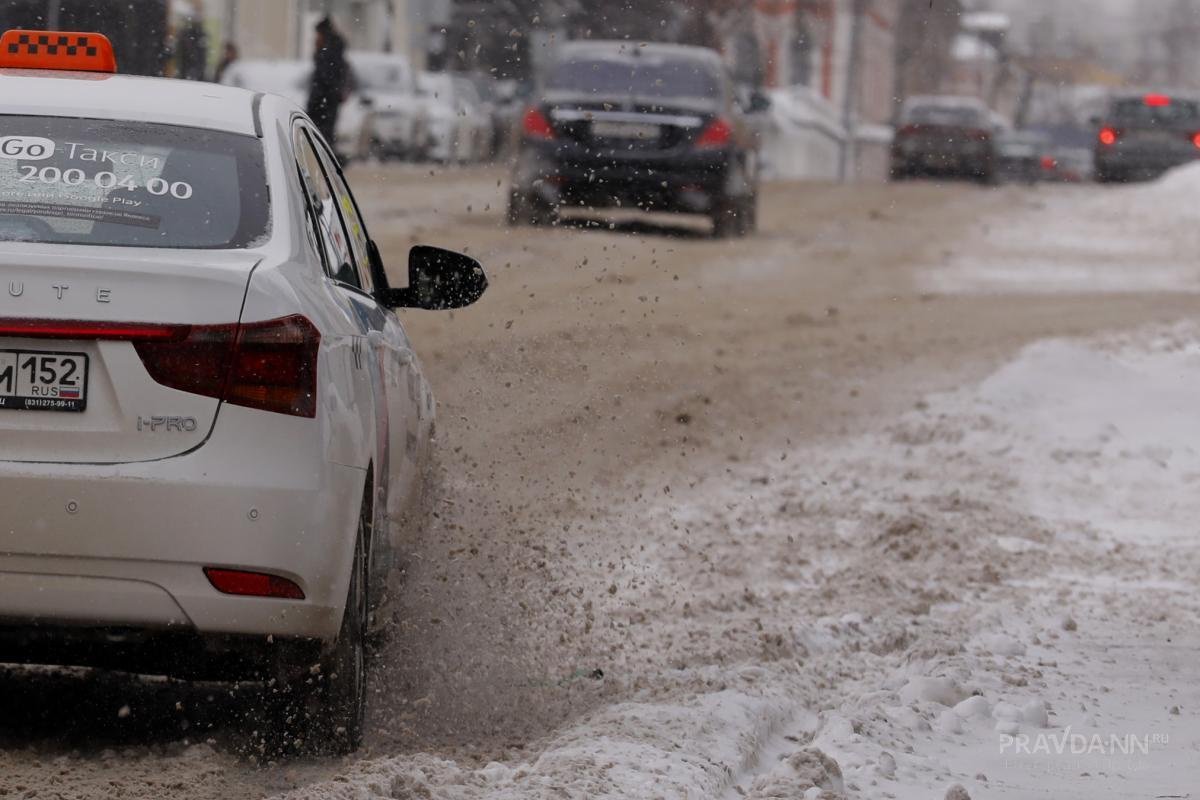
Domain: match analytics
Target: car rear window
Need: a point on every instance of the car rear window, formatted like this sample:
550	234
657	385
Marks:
950	116
638	76
1136	111
100	182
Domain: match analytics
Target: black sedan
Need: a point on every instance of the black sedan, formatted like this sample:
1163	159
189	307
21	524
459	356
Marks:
653	127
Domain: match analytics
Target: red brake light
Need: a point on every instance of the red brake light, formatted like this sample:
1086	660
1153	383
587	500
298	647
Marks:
717	134
64	50
268	365
1157	100
79	329
1048	163
275	367
1196	140
255	584
536	126
1108	136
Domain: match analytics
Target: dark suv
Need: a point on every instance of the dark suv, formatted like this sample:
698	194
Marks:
1142	136
653	127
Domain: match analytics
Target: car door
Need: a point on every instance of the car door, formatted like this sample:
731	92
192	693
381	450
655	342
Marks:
352	379
403	394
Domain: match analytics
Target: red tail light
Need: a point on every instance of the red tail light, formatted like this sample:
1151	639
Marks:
1108	136
275	367
536	126
1196	140
1157	100
1049	164
255	584
267	365
78	329
717	134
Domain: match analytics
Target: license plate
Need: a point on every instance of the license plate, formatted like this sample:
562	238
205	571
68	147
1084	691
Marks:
624	130
35	380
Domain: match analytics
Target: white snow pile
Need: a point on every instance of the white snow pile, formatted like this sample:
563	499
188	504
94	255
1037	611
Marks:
1103	239
996	592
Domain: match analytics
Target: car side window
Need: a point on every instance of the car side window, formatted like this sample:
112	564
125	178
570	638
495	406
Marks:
312	201
339	257
355	226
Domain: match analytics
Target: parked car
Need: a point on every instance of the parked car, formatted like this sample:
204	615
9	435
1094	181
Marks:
1141	136
457	125
1020	156
290	79
947	136
398	124
1069	165
653	127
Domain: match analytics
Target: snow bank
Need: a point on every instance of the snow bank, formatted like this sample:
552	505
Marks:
691	747
1004	570
802	137
1102	238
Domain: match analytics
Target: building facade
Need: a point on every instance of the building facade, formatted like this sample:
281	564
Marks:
283	29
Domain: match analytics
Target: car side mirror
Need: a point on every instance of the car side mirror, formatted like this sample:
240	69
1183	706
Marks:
438	280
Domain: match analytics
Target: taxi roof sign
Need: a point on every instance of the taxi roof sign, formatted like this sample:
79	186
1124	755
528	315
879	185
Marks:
62	50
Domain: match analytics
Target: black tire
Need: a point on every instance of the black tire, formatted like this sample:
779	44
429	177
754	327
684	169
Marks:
321	709
748	216
725	218
526	209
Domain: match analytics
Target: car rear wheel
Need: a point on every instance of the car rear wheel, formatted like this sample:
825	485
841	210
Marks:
748	215
526	209
322	709
728	217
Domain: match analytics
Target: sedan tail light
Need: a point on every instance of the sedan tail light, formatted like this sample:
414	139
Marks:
1108	136
1196	139
266	365
269	365
719	133
536	125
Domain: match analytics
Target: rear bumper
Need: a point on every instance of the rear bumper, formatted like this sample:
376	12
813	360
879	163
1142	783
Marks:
683	183
1134	161
974	161
124	546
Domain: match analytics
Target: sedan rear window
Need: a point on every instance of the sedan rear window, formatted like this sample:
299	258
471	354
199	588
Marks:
102	182
1165	111
950	116
637	76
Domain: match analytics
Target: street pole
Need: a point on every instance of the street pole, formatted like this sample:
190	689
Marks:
231	22
53	14
850	91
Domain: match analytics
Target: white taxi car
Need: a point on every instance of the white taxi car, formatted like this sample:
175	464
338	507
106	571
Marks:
209	411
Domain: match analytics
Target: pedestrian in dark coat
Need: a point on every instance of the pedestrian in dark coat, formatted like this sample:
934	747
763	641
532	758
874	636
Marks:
330	78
